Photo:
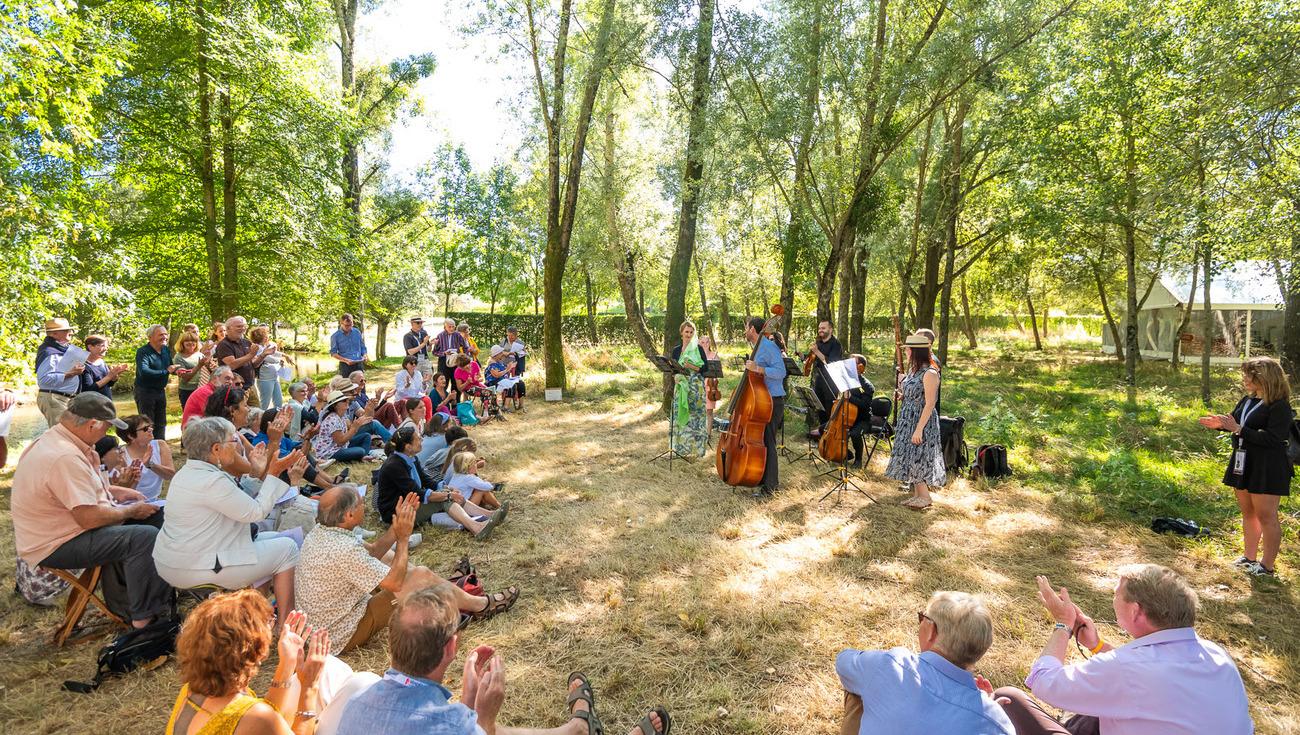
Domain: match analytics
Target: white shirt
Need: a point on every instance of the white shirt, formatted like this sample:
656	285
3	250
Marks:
409	385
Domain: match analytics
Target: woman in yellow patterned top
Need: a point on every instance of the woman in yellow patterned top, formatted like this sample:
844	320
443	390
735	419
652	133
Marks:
473	346
221	645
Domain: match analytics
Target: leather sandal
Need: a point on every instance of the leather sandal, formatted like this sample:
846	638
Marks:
646	725
584	693
497	603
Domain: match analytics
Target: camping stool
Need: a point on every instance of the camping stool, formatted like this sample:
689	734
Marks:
81	593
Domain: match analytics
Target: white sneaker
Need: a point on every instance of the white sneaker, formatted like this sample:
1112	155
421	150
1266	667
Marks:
364	534
414	541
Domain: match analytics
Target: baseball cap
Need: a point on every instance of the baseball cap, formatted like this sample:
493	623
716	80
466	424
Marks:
95	406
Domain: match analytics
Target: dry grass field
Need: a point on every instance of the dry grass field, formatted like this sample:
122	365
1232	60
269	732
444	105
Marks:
667	586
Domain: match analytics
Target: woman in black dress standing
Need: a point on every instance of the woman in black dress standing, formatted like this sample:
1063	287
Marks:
1258	468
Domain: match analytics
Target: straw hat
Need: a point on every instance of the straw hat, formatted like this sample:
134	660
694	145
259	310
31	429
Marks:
916	340
58	325
335	398
496	350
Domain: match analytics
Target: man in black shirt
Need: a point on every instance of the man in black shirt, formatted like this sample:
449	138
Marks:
416	342
827	349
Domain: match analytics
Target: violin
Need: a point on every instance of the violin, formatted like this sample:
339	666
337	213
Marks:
741	455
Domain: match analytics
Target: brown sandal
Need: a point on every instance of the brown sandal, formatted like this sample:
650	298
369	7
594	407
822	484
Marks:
497	603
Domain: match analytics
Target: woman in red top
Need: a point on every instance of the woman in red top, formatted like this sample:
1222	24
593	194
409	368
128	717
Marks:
469	380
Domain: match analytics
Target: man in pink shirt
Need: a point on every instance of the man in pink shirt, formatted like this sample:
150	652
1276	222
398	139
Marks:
1166	681
198	400
67	516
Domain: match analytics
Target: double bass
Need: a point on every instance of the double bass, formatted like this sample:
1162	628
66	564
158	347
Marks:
741	455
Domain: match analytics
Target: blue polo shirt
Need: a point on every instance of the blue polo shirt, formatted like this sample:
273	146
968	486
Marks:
905	693
407	705
350	345
768	357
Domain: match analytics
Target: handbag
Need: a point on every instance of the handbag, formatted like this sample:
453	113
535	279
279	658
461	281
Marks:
148	646
465	412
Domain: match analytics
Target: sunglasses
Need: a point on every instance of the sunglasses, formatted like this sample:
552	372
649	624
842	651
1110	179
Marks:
920	616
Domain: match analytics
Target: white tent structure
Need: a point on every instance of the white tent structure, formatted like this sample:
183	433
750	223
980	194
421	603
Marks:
1247	305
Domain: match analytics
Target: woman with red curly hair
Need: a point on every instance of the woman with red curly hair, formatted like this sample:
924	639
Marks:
222	644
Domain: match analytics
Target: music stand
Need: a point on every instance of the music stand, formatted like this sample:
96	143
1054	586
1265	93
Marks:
843	375
812	409
669	366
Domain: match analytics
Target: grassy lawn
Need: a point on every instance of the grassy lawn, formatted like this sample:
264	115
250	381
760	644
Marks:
670	587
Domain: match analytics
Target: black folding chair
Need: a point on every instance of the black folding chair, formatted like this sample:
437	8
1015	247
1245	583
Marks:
880	427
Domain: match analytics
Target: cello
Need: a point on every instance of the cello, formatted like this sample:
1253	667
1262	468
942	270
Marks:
741	455
834	441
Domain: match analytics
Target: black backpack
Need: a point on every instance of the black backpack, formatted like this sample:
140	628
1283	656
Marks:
952	439
990	462
129	651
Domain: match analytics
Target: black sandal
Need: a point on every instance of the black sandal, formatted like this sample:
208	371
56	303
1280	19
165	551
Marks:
584	693
646	725
497	603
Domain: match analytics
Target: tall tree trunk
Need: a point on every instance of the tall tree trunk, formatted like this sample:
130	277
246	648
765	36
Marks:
679	265
724	305
1207	319
918	199
561	212
381	338
706	323
591	305
1033	318
968	324
1133	352
229	219
798	231
1291	294
345	16
1105	310
1175	352
846	296
207	169
859	305
945	302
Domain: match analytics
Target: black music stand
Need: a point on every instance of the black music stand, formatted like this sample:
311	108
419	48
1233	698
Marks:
792	369
844	480
812	411
669	366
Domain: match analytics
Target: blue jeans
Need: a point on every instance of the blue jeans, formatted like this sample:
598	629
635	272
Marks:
378	429
356	449
269	391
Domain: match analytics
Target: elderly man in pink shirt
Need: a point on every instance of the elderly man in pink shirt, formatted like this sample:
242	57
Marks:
1166	681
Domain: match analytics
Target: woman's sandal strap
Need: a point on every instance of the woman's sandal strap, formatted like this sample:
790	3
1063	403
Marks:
647	726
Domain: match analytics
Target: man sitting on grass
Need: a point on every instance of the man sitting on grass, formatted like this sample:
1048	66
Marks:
1166	681
349	586
901	692
411	699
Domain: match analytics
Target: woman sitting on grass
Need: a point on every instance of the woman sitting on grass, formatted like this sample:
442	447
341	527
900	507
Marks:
230	403
223	642
466	481
402	474
435	461
442	396
339	439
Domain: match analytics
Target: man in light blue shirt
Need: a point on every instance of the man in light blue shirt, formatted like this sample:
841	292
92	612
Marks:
904	693
768	362
348	346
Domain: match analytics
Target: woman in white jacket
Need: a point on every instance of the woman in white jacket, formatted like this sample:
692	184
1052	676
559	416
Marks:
207	535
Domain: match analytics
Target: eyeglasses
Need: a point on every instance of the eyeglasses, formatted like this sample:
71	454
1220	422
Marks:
146	427
920	616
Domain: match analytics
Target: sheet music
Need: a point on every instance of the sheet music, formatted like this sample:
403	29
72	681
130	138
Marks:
74	355
843	374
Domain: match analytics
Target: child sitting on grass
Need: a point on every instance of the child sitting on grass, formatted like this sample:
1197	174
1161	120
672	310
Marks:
466	480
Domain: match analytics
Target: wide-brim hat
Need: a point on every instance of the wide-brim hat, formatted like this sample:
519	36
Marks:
58	325
916	340
419	319
496	350
335	398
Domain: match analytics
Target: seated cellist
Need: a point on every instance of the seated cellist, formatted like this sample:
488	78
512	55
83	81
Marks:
861	397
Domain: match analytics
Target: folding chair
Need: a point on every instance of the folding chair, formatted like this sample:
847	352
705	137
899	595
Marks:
880	427
81	592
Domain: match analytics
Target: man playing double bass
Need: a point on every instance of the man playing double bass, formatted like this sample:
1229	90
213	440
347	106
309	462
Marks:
768	363
825	349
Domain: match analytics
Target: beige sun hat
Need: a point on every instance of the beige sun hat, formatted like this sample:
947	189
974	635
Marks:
58	325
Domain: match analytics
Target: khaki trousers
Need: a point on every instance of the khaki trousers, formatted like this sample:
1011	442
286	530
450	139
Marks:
378	611
51	406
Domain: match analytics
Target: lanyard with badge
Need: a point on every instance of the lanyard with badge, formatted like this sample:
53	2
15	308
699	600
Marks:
1238	453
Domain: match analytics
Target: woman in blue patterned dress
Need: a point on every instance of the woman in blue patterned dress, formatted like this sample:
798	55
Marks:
917	457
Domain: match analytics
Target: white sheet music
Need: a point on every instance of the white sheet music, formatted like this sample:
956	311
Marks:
843	374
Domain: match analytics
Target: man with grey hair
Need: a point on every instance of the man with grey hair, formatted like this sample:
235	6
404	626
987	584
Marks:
237	353
905	693
67	516
198	400
1166	681
349	586
153	370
